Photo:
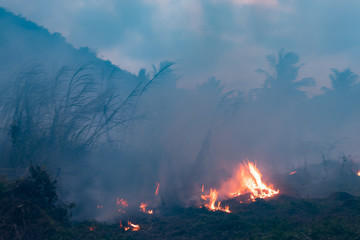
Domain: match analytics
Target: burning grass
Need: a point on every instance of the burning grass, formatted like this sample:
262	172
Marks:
283	217
246	183
30	209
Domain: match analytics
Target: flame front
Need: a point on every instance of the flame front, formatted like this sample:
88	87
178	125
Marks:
212	197
258	188
246	180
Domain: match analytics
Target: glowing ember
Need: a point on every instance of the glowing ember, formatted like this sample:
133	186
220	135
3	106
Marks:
143	209
358	173
157	189
134	227
212	197
292	173
202	188
121	202
125	228
92	228
130	226
234	194
99	206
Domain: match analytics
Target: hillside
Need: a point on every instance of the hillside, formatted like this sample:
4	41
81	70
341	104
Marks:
24	44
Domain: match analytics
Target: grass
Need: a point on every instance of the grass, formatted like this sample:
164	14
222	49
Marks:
30	209
335	217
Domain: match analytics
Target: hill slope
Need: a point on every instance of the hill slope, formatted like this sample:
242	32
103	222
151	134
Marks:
24	44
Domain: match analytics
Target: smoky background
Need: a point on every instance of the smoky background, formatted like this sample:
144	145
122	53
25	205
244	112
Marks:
105	133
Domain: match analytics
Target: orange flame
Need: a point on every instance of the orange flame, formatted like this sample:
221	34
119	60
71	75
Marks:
143	209
246	180
130	225
157	189
292	173
358	173
92	228
257	188
125	228
134	227
202	188
212	197
234	194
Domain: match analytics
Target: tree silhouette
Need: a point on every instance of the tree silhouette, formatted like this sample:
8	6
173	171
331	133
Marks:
283	81
343	81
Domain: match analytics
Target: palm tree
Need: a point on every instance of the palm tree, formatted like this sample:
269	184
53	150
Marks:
343	81
283	82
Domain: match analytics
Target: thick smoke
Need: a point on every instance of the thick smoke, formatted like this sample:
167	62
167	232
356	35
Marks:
107	134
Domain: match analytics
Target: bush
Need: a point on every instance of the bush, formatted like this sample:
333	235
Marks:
30	207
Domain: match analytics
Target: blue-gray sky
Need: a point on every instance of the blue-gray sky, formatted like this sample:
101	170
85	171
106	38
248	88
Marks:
228	39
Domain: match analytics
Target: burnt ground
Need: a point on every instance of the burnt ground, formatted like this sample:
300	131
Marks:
283	217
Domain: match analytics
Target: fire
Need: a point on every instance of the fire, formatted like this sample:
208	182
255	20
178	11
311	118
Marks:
292	173
125	228
234	194
257	188
134	227
157	189
122	202
211	205
130	226
92	228
358	173
202	188
246	180
143	209
99	206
